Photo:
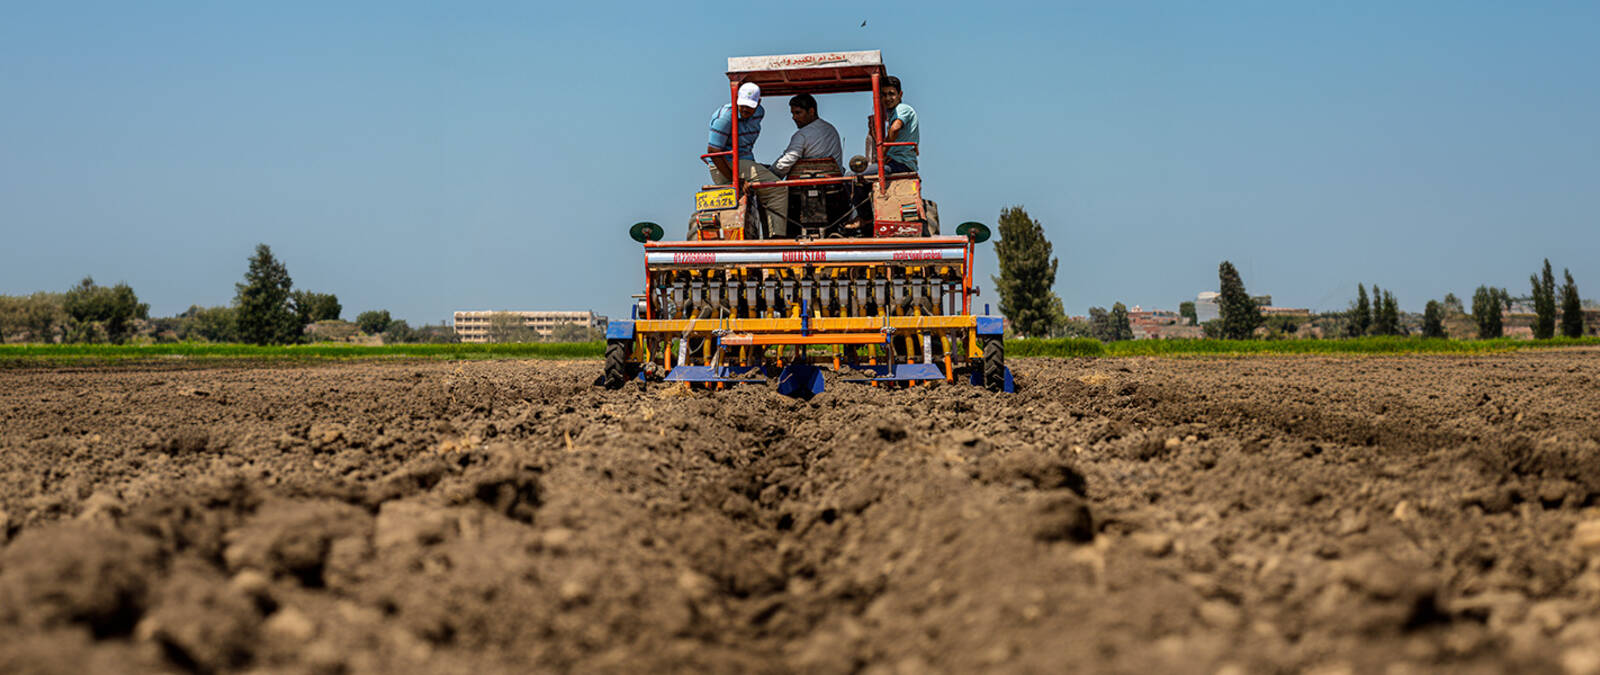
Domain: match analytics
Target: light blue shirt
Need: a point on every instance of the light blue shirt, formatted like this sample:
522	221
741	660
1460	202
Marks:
722	130
905	154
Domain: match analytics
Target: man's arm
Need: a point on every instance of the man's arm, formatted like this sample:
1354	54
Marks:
792	154
720	162
894	130
721	140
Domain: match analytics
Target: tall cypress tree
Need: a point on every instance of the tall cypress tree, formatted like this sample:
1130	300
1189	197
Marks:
1571	308
1433	320
1100	327
1361	314
264	313
1391	315
1377	327
1544	303
1240	316
1120	327
1027	275
1486	312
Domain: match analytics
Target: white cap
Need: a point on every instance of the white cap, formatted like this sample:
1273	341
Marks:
749	95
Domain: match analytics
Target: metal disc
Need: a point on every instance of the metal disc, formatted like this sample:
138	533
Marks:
646	231
977	232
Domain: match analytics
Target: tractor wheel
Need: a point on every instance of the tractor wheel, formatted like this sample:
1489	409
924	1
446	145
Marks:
616	363
994	364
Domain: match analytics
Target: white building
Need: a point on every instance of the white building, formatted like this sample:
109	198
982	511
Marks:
1205	307
473	326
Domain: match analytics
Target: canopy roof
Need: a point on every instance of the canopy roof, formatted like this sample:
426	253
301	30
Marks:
827	73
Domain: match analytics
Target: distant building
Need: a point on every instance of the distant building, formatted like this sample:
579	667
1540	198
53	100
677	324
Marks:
1155	324
1141	314
473	326
1205	306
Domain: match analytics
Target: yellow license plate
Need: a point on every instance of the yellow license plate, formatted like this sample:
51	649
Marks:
712	200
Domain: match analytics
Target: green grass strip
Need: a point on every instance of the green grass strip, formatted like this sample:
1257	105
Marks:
1075	347
1057	347
47	354
77	354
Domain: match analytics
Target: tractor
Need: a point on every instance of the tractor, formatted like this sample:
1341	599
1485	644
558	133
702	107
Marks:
868	285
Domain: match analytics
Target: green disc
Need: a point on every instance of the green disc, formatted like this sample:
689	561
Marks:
977	232
648	231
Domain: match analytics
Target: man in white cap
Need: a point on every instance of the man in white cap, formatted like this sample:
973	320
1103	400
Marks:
774	199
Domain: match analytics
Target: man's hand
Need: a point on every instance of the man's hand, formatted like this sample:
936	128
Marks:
721	162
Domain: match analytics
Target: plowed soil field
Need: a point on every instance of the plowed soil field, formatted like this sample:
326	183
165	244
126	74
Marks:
1413	514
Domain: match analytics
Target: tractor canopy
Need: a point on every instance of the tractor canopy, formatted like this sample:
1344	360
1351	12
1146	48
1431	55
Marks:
825	73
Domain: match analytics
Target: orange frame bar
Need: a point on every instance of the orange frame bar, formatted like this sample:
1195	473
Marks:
818	339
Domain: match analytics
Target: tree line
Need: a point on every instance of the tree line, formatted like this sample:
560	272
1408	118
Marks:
266	310
1028	273
88	312
1489	304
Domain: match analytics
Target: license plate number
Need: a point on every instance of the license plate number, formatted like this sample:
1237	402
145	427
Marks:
712	200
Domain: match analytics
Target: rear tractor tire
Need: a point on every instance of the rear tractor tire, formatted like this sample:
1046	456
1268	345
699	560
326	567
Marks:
994	364
616	363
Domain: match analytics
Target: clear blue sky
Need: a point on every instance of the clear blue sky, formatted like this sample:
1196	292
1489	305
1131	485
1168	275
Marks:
428	157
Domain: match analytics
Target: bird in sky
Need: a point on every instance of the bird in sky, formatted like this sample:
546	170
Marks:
863	24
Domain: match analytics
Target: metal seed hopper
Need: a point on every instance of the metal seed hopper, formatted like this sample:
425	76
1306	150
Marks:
869	287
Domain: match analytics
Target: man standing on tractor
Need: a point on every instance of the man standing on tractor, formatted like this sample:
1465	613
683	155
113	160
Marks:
902	128
813	136
775	200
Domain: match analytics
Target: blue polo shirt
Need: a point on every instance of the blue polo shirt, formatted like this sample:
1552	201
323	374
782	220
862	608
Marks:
904	154
722	130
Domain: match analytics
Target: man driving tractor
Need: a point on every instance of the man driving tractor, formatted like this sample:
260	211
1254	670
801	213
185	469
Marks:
814	138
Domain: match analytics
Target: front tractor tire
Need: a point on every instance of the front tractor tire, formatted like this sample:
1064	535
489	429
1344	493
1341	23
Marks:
616	363
994	364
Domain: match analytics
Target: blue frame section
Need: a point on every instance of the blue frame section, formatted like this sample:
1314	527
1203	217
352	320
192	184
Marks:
726	374
619	330
801	380
990	325
905	372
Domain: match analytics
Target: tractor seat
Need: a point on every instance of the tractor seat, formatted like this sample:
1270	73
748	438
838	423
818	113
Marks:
816	167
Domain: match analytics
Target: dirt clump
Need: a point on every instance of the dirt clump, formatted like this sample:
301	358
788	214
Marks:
72	574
